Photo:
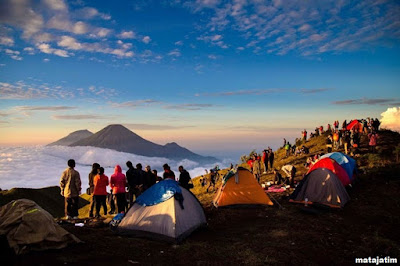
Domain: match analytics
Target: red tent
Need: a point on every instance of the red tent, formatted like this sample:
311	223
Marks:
332	165
354	125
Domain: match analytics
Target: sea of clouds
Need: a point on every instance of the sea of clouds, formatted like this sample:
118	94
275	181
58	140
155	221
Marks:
42	166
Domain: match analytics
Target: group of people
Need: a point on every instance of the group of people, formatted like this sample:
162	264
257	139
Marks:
260	164
123	187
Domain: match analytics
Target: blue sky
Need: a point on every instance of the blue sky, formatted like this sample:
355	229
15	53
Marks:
211	75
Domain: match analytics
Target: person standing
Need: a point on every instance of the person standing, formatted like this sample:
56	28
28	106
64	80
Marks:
373	138
91	176
184	178
271	158
212	180
257	169
130	178
70	184
168	173
304	135
100	191
265	160
149	177
118	184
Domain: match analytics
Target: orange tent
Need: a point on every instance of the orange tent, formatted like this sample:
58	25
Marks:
240	188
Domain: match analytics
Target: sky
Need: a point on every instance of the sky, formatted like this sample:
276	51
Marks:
214	76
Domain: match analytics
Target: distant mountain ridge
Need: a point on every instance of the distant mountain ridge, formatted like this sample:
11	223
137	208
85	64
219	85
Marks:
119	138
72	138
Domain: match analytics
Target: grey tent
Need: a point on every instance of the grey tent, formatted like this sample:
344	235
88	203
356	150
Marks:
321	186
29	227
165	211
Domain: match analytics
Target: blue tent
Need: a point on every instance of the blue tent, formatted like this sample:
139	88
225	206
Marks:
345	161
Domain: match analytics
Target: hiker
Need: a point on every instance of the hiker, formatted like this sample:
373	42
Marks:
184	177
70	184
290	172
304	135
140	178
376	124
118	184
168	173
344	125
111	202
321	130
373	138
328	128
336	124
271	157
287	148
329	143
257	169
91	176
336	140
284	142
150	178
155	173
100	191
130	177
264	159
277	177
316	132
212	179
346	140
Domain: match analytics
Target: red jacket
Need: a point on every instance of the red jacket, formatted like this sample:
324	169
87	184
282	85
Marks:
100	185
118	181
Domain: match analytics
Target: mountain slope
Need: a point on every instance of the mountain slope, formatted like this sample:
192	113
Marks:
118	137
71	138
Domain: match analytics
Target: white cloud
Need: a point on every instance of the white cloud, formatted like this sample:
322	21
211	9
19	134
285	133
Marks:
90	13
126	35
213	57
7	41
391	119
13	54
29	50
80	28
56	4
179	43
175	53
69	43
146	39
46	48
20	14
46	60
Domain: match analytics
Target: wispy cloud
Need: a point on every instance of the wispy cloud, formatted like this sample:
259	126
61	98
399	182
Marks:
280	27
367	101
313	91
190	106
79	117
44	108
264	91
154	127
133	104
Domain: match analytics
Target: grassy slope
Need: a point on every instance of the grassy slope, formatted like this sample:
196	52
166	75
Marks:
48	198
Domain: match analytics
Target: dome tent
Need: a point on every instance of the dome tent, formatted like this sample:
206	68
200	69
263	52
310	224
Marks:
28	227
332	165
165	211
345	161
321	186
240	188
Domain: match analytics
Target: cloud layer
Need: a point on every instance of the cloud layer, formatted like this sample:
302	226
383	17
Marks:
39	166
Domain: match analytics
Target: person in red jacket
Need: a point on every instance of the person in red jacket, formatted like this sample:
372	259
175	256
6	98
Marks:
118	184
100	182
